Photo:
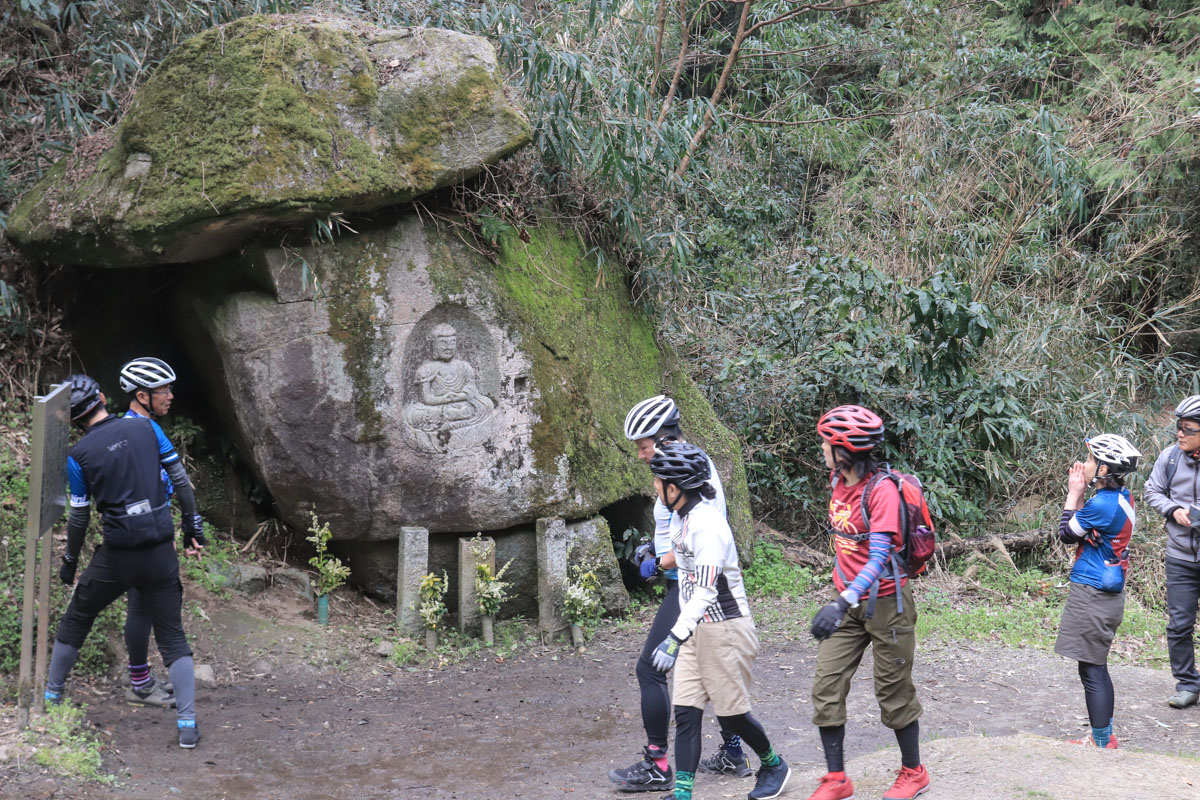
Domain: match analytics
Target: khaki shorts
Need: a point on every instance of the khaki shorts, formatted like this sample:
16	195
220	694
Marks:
714	665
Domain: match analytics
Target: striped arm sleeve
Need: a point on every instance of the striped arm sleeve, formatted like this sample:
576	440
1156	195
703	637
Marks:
881	547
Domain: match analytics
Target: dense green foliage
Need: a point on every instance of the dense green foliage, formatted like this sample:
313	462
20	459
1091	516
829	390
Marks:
977	219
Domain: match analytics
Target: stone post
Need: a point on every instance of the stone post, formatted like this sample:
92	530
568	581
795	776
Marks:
413	565
552	574
470	553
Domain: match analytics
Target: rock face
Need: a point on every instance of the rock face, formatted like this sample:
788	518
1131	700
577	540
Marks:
419	384
270	120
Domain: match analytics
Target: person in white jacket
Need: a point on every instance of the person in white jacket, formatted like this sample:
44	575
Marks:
713	644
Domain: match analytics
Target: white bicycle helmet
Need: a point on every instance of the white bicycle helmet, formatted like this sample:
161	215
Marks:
146	373
1114	451
1190	407
649	416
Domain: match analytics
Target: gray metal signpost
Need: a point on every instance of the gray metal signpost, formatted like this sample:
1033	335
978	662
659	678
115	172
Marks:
47	501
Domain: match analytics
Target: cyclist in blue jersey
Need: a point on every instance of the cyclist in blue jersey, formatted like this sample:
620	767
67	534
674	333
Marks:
1095	605
148	382
648	424
115	464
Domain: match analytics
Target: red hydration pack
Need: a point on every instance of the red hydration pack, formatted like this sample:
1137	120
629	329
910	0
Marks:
916	531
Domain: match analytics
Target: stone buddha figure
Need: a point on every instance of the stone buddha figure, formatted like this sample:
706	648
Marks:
450	413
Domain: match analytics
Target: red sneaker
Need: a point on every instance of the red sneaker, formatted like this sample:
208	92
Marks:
1090	742
834	786
909	783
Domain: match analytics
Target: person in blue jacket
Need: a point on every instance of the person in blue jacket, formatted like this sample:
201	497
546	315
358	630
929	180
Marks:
115	466
149	383
1102	528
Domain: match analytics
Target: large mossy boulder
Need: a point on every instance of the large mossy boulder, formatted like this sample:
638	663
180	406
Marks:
398	377
271	120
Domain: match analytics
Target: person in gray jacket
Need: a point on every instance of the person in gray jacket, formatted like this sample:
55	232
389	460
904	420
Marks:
1173	490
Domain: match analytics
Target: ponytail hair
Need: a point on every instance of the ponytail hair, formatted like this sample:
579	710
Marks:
707	491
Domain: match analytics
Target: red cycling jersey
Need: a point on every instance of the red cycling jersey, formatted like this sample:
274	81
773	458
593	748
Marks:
846	518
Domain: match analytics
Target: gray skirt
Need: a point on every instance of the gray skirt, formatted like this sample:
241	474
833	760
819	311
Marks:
1089	621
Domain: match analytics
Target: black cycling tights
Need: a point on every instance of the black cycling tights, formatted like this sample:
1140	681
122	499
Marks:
687	735
1097	693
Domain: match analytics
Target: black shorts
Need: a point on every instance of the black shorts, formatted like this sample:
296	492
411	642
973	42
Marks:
153	571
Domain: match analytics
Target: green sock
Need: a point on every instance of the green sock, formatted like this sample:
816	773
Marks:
683	785
770	758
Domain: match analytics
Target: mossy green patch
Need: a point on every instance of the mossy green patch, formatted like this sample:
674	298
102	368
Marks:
264	121
354	280
595	355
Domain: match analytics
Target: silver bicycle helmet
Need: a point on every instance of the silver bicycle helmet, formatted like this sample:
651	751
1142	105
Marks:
649	416
1190	407
1114	451
146	373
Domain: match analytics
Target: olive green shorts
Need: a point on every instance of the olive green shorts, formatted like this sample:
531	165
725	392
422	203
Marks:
893	640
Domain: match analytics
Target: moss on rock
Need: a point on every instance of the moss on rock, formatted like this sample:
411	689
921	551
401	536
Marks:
269	120
595	356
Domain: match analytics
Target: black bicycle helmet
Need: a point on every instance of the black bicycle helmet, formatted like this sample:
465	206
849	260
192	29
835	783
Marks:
682	464
85	395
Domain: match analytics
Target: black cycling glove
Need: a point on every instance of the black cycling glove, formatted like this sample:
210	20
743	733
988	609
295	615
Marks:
193	531
66	573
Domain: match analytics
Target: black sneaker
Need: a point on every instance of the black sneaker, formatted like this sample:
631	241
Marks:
189	737
771	781
724	764
644	776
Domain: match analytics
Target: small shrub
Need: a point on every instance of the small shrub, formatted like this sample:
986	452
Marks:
432	596
66	745
331	572
581	597
772	575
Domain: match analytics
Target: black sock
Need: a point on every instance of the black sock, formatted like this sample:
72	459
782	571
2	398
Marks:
908	738
831	740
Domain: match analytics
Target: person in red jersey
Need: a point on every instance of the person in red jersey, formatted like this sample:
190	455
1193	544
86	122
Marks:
864	517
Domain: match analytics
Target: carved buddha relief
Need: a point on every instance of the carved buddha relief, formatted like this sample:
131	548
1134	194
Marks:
448	408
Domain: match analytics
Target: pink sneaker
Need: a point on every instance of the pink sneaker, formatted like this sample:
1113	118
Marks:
909	783
1090	742
834	786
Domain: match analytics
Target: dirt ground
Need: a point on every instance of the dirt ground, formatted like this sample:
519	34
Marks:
302	713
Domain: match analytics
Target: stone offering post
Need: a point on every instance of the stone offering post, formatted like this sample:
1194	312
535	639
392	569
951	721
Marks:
470	553
413	564
552	575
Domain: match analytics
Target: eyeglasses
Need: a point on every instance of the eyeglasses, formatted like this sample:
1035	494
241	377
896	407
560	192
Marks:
1185	430
162	391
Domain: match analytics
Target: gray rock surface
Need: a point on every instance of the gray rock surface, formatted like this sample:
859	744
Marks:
296	580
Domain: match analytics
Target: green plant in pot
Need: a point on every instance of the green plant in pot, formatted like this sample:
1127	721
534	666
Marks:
432	595
331	572
581	601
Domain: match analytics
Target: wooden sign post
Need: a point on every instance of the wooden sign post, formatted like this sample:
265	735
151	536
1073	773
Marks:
47	501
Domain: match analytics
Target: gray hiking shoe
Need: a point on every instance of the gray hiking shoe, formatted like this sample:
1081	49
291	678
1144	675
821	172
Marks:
154	696
166	685
1183	698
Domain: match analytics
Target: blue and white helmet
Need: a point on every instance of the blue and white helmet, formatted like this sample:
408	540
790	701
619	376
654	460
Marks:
1115	452
1190	407
649	416
146	373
